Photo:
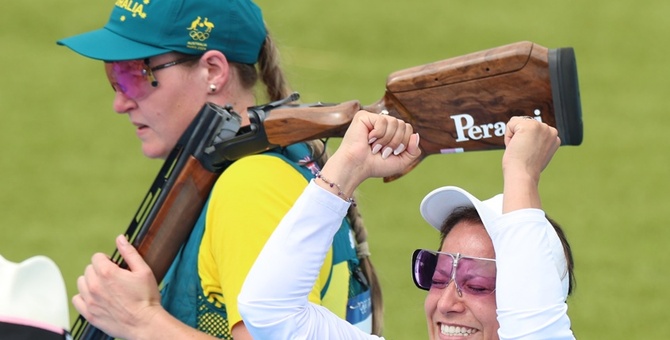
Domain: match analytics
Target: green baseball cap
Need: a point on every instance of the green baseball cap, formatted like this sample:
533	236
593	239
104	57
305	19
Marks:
139	29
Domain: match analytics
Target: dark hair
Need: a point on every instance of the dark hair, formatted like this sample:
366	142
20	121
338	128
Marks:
470	214
569	259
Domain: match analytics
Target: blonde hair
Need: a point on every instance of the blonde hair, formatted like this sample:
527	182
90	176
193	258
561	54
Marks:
276	87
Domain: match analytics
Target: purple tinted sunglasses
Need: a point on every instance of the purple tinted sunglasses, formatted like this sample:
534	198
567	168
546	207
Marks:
135	78
472	275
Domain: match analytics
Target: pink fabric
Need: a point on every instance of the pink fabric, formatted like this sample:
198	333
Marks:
31	323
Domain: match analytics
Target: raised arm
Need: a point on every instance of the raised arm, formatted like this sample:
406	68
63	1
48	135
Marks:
530	145
532	278
273	301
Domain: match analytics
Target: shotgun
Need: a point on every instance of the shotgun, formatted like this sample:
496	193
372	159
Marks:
456	105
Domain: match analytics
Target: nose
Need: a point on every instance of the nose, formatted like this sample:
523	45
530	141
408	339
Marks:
450	301
123	103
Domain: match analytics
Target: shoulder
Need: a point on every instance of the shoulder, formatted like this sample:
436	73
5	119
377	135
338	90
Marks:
263	169
258	179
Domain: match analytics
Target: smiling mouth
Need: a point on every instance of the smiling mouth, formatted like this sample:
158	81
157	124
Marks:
457	330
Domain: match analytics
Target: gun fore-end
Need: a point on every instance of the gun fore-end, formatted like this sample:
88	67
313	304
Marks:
174	220
288	125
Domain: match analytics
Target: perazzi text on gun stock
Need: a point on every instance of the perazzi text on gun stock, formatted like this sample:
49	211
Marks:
456	105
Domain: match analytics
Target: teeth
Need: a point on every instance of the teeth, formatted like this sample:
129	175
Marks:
457	331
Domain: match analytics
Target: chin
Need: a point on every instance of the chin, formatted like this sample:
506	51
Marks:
154	153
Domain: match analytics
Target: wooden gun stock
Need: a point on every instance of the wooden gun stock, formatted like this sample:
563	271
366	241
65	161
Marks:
459	104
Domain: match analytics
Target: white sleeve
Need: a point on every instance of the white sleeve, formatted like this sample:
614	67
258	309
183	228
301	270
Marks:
274	299
529	291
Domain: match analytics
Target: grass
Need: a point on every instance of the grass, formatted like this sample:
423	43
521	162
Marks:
73	174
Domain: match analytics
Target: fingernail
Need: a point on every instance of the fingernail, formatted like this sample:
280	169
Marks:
376	149
372	140
123	240
399	149
418	138
387	152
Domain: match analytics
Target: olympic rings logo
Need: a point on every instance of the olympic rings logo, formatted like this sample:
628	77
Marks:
197	35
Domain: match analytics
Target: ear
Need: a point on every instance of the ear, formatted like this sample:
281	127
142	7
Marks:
218	70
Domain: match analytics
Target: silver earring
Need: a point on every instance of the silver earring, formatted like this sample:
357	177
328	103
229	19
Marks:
212	87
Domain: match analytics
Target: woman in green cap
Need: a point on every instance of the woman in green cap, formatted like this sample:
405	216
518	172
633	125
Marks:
165	59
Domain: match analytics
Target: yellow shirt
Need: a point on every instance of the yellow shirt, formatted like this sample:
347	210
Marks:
246	205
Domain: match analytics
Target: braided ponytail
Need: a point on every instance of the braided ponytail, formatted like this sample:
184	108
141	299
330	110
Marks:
363	252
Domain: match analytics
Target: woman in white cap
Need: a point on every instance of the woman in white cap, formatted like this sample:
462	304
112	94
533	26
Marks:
500	273
164	60
33	300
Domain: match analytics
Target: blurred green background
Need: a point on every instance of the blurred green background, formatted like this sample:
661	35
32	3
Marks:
72	174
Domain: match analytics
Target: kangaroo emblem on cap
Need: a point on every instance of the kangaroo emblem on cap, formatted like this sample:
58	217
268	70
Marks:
194	24
199	32
208	24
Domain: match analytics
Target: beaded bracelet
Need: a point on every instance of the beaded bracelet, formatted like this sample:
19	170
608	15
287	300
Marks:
339	190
